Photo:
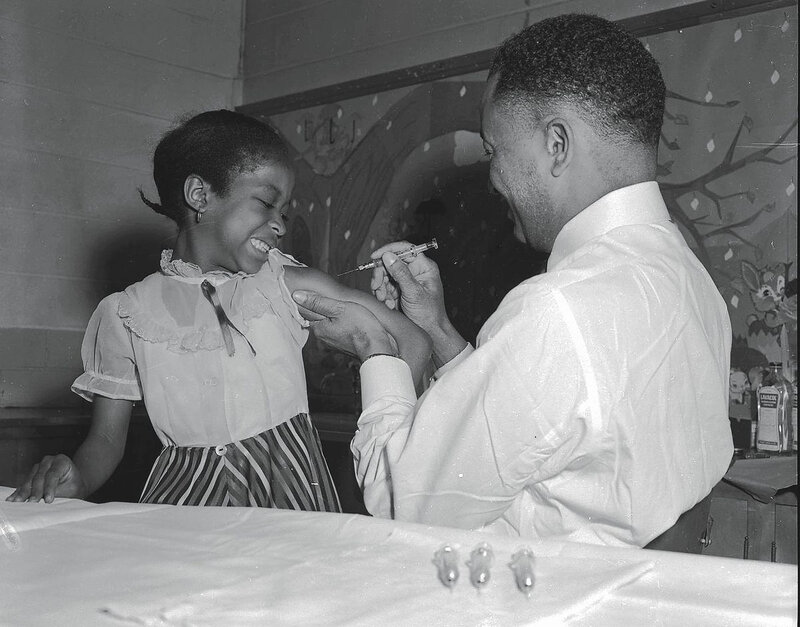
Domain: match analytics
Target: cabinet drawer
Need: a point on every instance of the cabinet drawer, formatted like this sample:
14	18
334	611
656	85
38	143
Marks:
752	530
726	528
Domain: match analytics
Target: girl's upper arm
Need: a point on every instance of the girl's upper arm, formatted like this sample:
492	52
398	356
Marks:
315	280
110	420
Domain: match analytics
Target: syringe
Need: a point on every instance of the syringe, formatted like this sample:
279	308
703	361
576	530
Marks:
410	252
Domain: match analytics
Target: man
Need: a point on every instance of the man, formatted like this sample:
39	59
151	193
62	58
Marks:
594	406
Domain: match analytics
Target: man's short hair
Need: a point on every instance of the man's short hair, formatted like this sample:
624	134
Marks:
590	63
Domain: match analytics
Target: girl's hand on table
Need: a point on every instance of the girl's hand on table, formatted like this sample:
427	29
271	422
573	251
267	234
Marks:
55	476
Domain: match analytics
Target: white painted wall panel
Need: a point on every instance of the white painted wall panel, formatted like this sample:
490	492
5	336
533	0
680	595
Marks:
324	43
79	248
37	298
48	121
49	183
206	40
111	77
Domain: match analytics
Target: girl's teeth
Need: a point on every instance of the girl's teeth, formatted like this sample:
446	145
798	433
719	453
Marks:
259	245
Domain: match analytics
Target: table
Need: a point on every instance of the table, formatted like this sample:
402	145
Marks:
78	563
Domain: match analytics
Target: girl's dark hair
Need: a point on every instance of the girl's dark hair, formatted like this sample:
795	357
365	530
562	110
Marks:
214	145
589	62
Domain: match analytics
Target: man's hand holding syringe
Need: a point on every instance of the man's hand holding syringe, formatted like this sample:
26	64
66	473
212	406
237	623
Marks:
415	288
412	251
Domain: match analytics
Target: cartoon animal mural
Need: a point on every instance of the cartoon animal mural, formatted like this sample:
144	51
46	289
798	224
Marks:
773	297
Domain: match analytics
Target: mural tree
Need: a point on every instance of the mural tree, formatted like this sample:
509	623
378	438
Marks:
350	196
769	287
703	228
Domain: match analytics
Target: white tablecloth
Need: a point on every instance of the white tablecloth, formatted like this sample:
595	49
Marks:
76	563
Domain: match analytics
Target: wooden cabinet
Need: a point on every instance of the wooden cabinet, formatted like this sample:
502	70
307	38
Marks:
740	526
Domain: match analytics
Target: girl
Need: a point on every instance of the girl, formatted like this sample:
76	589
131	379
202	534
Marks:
212	342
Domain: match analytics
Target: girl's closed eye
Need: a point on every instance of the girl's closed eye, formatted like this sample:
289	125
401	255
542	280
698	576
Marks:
271	207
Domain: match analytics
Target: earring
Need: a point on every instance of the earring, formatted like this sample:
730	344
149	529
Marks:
198	215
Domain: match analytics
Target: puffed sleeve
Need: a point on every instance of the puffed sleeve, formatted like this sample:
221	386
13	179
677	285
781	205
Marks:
107	353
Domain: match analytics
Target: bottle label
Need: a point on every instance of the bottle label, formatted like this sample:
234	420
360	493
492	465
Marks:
768	400
767	438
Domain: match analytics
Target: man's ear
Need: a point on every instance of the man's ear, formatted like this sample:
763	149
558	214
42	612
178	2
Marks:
558	138
195	192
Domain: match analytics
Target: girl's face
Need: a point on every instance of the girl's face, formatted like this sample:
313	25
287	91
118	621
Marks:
249	220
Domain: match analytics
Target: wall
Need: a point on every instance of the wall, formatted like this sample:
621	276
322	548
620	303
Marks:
295	45
86	89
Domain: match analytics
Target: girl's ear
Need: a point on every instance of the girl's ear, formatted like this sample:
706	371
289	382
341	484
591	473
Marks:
558	139
195	191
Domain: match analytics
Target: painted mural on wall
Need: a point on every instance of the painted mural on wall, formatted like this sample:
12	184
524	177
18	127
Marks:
409	164
728	164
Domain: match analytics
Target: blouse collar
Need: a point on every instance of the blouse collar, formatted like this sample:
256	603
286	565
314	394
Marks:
187	270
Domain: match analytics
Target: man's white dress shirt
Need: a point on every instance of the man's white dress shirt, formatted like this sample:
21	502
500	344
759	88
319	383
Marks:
594	407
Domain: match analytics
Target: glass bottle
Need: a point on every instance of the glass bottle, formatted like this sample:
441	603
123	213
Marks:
774	399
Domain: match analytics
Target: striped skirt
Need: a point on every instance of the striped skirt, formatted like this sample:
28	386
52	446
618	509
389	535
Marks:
282	467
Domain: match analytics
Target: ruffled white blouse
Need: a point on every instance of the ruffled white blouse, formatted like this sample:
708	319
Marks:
160	341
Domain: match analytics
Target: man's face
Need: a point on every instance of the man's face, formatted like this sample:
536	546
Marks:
518	169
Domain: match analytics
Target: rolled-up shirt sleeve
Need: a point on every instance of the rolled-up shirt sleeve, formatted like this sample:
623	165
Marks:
108	359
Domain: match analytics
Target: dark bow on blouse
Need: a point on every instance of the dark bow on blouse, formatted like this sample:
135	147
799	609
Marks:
225	324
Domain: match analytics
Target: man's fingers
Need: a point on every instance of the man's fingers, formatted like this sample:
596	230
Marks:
378	279
385	292
383	289
393	247
399	272
317	304
309	315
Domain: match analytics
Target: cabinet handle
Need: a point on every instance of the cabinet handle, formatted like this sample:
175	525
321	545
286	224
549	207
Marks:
746	550
705	539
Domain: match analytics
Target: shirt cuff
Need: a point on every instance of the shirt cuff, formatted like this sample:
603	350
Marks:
466	352
383	375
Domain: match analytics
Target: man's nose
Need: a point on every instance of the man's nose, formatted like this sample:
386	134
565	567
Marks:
279	226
